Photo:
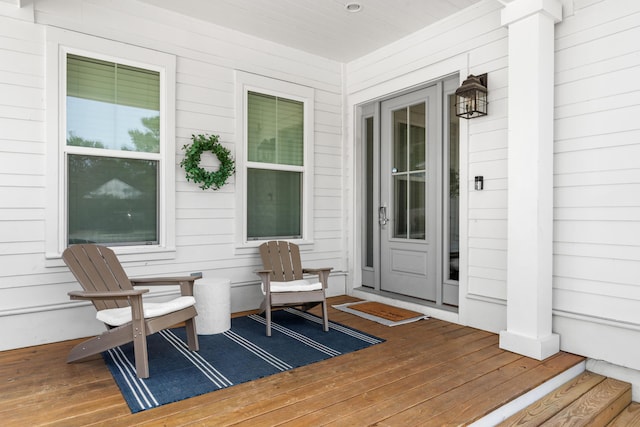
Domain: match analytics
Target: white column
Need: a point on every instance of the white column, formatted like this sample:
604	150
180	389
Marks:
530	177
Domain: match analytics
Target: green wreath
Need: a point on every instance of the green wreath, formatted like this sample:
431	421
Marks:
191	162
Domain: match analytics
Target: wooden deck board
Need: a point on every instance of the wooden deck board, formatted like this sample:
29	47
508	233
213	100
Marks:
381	385
424	373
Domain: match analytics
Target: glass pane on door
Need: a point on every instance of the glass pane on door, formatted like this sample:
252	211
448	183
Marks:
454	191
400	140
409	177
400	203
369	208
417	202
417	137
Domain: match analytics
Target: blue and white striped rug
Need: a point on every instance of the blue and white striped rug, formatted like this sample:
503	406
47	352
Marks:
242	354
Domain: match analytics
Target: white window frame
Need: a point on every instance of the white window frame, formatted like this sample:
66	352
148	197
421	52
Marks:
245	83
59	44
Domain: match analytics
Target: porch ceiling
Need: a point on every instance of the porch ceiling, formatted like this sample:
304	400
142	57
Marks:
321	27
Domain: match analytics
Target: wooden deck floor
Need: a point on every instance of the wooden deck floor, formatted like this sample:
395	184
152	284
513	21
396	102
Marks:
427	373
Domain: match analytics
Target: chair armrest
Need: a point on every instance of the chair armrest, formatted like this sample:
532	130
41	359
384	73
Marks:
90	295
265	278
316	270
162	281
185	282
322	273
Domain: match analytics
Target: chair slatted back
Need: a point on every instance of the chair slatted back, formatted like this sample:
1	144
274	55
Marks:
97	268
283	259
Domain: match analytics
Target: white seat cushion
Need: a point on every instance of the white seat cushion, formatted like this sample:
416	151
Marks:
294	286
120	316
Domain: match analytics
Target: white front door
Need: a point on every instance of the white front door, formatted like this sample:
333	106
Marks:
410	186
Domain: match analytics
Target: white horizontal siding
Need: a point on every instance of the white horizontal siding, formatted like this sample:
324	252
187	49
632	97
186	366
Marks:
22	160
207	57
597	178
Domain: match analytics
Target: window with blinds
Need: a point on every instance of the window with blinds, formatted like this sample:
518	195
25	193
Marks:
112	152
275	166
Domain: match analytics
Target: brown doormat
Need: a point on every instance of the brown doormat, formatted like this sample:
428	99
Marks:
395	314
382	313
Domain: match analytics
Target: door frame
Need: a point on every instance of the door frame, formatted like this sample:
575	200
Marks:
370	280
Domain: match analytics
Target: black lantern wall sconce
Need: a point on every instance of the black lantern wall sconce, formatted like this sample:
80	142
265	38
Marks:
471	97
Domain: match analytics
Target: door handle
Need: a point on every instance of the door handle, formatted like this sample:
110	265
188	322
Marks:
382	215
